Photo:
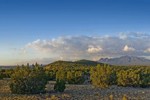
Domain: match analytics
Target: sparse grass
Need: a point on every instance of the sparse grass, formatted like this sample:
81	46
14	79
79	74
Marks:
53	97
78	92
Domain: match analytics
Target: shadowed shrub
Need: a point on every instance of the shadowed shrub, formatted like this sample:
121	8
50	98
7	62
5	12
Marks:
59	86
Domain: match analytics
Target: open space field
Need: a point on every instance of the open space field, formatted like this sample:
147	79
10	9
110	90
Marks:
78	92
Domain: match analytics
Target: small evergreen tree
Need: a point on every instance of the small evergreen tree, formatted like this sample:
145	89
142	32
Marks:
144	79
59	86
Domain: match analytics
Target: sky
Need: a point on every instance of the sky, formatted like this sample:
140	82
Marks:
47	30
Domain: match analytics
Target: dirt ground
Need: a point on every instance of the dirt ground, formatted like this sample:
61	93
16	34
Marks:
78	92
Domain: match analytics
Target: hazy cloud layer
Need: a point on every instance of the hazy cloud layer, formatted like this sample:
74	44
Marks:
88	47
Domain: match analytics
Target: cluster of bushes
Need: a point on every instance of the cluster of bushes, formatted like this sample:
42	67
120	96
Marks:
71	77
104	76
75	77
26	80
136	78
32	80
5	73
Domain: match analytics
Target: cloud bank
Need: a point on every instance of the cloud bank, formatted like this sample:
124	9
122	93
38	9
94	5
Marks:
90	47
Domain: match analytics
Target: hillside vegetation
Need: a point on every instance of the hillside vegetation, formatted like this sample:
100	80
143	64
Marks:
70	64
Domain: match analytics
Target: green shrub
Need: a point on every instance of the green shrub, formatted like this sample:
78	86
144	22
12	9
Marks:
1	74
59	86
113	78
75	77
5	73
128	77
61	75
28	81
100	76
144	79
133	77
51	75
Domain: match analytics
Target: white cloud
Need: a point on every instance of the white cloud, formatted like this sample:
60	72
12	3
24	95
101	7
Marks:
93	49
127	48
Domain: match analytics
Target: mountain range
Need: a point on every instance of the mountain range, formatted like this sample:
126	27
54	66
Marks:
126	60
120	61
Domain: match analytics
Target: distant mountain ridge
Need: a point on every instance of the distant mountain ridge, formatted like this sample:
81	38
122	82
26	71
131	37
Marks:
126	60
7	67
122	61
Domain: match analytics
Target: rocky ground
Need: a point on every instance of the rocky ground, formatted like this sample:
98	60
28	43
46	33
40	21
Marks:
78	92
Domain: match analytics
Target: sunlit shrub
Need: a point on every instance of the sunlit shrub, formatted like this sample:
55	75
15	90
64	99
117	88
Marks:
75	77
100	76
133	77
61	75
28	81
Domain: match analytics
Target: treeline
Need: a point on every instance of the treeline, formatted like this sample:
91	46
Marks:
102	75
71	76
32	79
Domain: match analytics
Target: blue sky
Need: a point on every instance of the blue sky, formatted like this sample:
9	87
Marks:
25	21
